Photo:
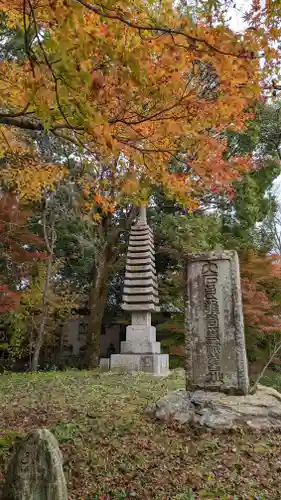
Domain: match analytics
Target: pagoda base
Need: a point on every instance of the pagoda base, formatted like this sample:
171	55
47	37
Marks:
156	364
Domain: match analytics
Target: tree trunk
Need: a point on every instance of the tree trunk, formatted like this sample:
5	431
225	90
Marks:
98	300
103	270
50	244
44	315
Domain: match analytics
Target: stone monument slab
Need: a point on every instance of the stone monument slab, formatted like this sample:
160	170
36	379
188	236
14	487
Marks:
214	327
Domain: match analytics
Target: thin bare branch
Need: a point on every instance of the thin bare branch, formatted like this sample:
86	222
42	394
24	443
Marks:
275	352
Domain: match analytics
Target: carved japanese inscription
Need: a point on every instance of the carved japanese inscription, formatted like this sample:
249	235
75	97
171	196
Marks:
214	329
211	306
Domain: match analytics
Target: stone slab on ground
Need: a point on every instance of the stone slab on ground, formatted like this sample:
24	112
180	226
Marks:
217	410
155	364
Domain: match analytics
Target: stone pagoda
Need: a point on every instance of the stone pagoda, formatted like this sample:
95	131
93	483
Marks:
140	351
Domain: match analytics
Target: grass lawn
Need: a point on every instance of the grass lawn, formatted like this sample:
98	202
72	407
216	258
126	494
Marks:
113	451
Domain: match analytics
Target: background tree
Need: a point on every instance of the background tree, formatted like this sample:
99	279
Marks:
135	97
237	220
20	247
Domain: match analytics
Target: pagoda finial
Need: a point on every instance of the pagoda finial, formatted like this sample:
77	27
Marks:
142	215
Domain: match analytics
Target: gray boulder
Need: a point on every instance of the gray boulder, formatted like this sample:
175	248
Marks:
216	410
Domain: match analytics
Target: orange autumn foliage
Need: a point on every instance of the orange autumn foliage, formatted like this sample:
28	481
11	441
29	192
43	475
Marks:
19	249
8	299
261	289
17	242
28	177
136	80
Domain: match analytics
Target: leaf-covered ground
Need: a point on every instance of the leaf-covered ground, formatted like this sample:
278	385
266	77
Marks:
113	451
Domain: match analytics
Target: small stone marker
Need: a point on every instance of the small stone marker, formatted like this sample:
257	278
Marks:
214	327
35	471
140	351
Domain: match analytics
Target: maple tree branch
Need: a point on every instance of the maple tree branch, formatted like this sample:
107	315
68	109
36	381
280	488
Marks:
20	113
56	79
151	117
37	126
144	151
21	122
162	29
31	123
46	238
26	44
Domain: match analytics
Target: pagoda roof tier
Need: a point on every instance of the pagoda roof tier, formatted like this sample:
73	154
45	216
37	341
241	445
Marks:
140	237
141	266
143	289
140	307
141	231
141	298
141	245
149	281
146	254
141	274
140	288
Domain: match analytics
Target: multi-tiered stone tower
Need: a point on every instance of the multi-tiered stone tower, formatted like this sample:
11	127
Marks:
140	351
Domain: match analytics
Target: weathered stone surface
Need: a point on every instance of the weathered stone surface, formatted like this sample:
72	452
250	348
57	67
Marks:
140	299
141	318
150	281
214	329
141	254
139	268
135	245
140	275
35	471
105	364
216	410
155	364
140	346
141	289
140	331
141	237
139	307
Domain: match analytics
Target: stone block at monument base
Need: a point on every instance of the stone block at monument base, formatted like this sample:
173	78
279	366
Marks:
218	411
155	364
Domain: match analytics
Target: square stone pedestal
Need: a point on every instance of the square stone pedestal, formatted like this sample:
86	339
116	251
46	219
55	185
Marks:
156	364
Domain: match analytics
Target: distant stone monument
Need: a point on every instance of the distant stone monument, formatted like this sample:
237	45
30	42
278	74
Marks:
35	471
214	330
140	351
